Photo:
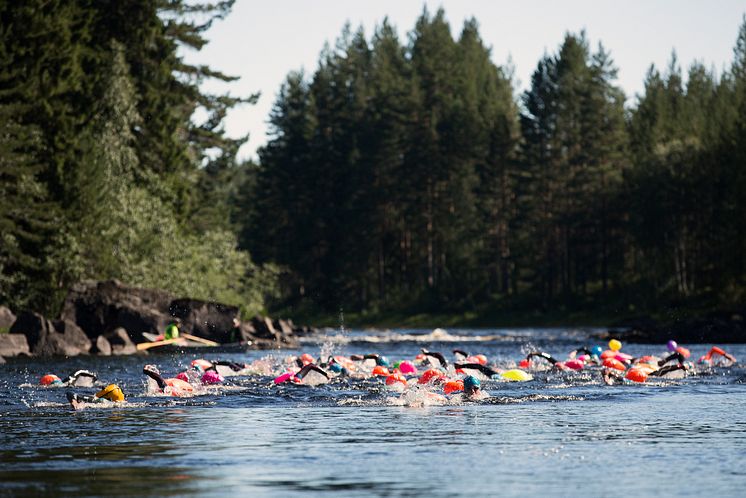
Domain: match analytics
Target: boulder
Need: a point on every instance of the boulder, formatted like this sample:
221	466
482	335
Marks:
206	319
2	360
100	307
43	338
102	346
264	327
120	341
13	345
284	326
73	335
6	318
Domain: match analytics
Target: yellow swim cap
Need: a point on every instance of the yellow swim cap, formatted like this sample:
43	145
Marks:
112	392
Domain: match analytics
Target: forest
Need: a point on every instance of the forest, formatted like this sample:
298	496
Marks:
404	175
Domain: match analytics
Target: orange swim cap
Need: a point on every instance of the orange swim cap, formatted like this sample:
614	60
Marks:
49	379
306	358
430	375
636	375
394	378
614	363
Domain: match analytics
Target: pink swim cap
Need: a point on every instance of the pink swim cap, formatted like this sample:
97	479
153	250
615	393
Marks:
212	377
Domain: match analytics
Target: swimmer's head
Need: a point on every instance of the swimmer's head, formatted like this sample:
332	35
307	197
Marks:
335	367
382	361
471	384
50	380
112	392
597	350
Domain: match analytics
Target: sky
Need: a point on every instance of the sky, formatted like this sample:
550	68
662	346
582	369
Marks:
262	41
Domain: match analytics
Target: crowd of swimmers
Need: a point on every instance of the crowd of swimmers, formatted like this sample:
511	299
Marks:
431	372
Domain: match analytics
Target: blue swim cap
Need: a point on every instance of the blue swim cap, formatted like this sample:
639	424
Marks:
471	382
382	361
335	367
596	351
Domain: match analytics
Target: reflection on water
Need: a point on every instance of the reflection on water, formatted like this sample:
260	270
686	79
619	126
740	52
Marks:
560	435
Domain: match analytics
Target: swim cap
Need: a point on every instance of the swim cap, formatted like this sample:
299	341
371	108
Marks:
306	358
112	392
49	379
212	377
615	345
407	367
453	385
671	346
597	350
335	367
471	383
382	361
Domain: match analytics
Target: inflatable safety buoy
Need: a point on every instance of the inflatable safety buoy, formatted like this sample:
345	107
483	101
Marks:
614	363
380	370
430	375
517	375
636	375
453	386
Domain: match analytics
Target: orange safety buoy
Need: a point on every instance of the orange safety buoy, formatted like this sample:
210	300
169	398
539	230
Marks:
430	375
614	363
636	375
396	378
453	386
380	370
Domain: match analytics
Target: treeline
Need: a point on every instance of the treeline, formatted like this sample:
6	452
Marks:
103	172
409	174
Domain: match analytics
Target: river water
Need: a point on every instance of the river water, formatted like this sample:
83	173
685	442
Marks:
561	434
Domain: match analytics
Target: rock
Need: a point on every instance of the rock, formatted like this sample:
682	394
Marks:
6	318
43	338
73	335
13	345
102	346
100	307
2	360
210	320
121	343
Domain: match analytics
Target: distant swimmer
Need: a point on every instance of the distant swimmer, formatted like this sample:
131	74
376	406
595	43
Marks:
477	369
298	377
381	361
172	330
724	358
442	362
172	387
111	393
80	378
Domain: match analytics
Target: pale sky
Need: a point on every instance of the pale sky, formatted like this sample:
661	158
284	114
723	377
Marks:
261	41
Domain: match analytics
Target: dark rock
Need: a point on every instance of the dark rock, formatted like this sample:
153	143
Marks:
43	338
73	335
13	345
264	327
6	318
120	341
102	346
205	319
100	307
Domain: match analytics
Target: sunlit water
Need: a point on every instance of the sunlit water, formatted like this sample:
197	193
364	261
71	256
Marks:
560	434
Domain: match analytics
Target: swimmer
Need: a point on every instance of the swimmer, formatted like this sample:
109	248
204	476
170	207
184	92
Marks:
556	364
112	393
438	356
716	351
80	378
172	387
381	361
297	378
476	369
473	388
